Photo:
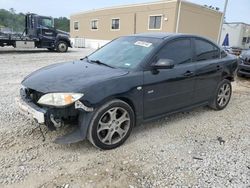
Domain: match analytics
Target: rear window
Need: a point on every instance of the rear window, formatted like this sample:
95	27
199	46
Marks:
206	50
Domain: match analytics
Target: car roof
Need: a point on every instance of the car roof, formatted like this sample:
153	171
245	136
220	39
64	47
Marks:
162	35
165	36
154	35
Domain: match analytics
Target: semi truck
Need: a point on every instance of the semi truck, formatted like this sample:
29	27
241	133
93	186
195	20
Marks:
39	33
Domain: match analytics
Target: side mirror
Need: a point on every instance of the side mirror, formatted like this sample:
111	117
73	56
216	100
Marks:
164	64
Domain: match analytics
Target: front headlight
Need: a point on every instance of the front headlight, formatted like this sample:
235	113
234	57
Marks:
59	99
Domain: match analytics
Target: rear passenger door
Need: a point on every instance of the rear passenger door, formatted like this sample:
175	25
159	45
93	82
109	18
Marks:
208	69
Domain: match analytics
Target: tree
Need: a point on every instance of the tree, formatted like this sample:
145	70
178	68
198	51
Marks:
16	21
12	11
12	20
62	23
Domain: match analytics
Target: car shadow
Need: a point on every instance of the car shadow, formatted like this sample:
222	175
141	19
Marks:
243	78
142	129
243	81
169	120
45	136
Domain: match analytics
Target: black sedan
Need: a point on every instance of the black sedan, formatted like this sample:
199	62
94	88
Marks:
129	81
244	64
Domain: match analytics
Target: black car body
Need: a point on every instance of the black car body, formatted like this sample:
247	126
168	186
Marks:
244	64
151	76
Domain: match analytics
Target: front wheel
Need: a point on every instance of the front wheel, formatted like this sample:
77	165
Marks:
62	46
223	95
111	125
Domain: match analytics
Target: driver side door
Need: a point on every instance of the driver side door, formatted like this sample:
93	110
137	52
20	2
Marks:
168	90
47	31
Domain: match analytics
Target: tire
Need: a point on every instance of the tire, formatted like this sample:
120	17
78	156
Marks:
62	47
223	95
111	125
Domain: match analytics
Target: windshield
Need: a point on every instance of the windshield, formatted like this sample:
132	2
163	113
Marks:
125	52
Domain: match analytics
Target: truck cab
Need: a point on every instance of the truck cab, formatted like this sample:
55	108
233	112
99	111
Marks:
41	29
39	33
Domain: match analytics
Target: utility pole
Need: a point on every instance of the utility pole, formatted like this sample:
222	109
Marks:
222	21
178	17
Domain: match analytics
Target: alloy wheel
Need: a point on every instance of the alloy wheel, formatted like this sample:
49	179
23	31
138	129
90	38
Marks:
224	95
113	125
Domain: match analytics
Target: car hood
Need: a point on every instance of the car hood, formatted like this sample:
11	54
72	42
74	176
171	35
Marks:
246	54
70	77
62	32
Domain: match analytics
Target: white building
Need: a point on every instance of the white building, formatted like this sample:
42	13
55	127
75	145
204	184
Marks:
239	34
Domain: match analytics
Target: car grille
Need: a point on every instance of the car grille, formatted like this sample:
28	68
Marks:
247	61
33	95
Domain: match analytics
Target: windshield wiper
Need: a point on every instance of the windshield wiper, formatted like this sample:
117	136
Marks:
100	63
96	61
86	57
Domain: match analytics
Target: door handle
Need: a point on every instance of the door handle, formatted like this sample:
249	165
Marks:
188	74
219	67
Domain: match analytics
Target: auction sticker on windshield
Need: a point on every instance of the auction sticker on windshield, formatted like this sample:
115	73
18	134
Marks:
143	44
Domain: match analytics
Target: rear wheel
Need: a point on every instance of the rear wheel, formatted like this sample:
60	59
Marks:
62	46
223	95
111	125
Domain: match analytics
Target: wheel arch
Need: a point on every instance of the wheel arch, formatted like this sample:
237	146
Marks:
64	39
125	99
122	98
128	101
229	77
226	75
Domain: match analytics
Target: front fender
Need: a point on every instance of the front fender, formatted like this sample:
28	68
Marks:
65	38
129	86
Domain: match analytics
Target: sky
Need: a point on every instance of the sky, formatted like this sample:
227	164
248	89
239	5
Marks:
237	11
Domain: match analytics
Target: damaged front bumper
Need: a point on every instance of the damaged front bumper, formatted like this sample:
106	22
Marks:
29	109
54	118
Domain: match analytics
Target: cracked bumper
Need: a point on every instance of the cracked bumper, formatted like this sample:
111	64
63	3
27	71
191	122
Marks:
31	110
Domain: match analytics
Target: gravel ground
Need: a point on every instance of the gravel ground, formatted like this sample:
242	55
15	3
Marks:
200	148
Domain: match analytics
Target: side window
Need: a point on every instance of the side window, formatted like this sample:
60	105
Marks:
155	22
180	51
94	24
205	50
76	26
223	54
244	40
46	22
115	24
